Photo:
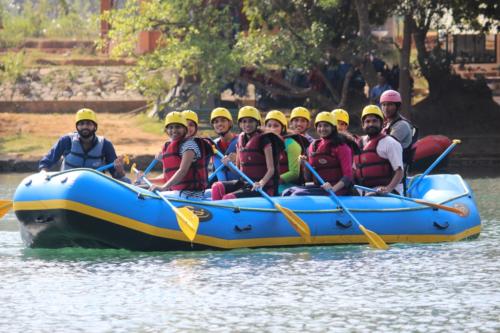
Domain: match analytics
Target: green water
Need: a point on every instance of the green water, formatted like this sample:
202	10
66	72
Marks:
449	287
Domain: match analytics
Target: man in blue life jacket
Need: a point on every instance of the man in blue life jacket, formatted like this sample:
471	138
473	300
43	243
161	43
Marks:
222	123
84	149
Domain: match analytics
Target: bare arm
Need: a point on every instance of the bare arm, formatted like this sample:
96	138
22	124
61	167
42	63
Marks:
268	153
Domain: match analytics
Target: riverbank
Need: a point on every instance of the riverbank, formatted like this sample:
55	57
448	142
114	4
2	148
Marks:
25	138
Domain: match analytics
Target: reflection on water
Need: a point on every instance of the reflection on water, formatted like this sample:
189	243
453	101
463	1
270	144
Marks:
419	287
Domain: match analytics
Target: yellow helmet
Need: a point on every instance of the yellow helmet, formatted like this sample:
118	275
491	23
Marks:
342	115
372	109
221	112
175	117
85	114
190	115
300	111
326	117
249	112
278	116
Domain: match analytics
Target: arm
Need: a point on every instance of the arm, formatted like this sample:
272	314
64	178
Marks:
187	160
55	153
344	154
392	150
293	150
110	157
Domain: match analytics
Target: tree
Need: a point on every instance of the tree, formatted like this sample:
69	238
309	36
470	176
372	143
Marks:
448	93
208	44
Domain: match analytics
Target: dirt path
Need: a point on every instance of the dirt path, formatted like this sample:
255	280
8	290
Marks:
28	136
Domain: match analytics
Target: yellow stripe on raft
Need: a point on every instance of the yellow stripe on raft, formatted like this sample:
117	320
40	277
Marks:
233	243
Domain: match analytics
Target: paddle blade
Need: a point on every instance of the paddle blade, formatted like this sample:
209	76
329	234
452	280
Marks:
443	207
297	223
188	222
374	239
5	206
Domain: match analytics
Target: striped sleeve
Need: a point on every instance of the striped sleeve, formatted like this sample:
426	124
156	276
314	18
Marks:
190	144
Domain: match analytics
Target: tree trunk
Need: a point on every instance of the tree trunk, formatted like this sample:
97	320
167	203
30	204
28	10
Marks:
366	67
404	70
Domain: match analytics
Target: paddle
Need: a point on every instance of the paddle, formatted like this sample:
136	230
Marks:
297	223
5	206
212	176
374	239
433	165
126	161
187	220
422	202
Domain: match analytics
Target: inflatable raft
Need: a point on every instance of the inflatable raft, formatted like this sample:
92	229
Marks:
85	208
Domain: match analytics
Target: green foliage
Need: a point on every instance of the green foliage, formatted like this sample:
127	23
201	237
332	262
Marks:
42	18
13	66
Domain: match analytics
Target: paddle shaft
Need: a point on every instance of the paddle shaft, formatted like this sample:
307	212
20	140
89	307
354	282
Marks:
419	201
248	180
295	221
332	193
434	164
160	195
212	176
105	167
374	239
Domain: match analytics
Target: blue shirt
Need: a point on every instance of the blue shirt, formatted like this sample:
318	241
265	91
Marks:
377	92
63	146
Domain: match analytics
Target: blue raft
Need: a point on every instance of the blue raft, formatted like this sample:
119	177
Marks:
85	208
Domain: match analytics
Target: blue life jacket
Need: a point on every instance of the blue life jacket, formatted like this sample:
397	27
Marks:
225	173
76	157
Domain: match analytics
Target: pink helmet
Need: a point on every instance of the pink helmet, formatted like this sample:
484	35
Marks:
391	96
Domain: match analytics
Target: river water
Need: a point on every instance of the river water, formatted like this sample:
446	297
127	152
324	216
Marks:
448	287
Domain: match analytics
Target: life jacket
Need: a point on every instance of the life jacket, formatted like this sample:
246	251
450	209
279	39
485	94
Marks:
371	169
76	157
323	158
253	160
196	178
225	173
409	151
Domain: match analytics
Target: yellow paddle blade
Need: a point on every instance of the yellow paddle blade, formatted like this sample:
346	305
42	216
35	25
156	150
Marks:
5	206
133	171
297	223
443	207
375	240
188	222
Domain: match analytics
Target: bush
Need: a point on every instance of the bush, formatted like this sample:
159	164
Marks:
12	67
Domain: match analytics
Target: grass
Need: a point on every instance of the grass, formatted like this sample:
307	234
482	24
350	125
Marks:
25	144
148	124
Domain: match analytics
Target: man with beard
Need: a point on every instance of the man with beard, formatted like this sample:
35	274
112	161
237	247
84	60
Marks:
380	163
84	149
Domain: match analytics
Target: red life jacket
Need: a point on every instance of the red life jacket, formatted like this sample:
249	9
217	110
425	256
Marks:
371	169
196	178
323	158
253	160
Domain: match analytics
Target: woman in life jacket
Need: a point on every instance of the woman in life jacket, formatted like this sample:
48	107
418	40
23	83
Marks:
256	156
331	157
184	161
192	122
343	128
289	166
300	119
222	122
